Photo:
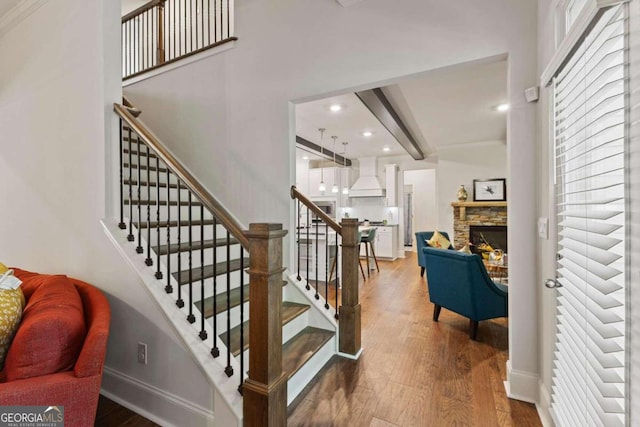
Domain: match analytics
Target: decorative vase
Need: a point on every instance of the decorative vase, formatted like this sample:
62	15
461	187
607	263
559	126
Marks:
462	194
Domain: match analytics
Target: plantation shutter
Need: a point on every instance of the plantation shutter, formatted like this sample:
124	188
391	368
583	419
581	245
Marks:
590	114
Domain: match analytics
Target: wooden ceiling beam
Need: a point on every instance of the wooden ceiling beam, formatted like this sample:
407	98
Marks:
381	108
325	153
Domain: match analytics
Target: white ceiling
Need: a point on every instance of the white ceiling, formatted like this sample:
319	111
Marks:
442	108
7	5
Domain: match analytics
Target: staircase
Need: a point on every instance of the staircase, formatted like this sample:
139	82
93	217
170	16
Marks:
193	258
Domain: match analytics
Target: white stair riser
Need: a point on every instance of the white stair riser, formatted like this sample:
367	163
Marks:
221	285
234	318
184	233
171	193
164	211
310	369
295	326
196	255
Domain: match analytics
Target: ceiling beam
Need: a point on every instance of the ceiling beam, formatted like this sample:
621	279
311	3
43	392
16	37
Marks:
381	108
346	3
327	154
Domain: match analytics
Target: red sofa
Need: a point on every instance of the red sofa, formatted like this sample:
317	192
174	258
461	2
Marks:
75	385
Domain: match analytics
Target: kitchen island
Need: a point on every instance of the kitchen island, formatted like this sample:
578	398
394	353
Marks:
319	247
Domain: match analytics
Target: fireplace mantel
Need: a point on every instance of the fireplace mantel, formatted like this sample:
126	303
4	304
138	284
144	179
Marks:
464	205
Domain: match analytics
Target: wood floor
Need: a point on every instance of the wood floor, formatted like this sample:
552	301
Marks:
413	371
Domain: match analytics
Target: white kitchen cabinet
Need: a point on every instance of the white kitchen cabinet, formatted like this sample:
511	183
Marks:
384	244
391	174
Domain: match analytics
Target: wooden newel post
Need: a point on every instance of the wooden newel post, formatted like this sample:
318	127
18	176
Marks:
349	320
265	390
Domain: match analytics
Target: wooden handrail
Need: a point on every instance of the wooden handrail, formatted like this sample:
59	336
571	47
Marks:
206	198
135	112
295	194
142	9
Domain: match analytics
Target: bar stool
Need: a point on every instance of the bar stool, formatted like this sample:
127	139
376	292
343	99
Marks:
368	239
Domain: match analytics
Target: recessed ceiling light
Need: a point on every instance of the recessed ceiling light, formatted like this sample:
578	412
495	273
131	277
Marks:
386	149
367	133
335	107
502	107
305	157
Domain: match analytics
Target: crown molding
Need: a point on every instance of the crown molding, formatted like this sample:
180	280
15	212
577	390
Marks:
18	13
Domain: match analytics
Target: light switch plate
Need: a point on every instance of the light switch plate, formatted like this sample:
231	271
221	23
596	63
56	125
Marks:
543	228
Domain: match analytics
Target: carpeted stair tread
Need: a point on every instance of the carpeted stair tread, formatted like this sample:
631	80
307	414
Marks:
195	246
290	310
299	349
208	271
221	301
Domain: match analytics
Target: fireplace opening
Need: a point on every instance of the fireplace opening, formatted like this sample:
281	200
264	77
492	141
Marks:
492	235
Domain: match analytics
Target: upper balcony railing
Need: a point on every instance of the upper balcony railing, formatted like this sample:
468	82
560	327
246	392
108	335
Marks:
164	31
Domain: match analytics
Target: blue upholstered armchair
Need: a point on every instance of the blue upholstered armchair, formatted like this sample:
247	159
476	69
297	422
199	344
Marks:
459	282
421	242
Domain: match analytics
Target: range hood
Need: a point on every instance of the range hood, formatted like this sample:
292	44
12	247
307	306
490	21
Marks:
367	185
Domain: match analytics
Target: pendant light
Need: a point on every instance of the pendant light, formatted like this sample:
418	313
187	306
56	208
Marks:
345	189
334	188
322	187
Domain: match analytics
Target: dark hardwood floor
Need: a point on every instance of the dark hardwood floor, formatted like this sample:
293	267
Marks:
413	371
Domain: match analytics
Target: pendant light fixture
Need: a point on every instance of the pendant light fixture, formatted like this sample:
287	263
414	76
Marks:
322	187
334	188
345	189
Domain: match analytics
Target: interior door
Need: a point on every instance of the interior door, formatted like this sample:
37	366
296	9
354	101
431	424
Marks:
591	122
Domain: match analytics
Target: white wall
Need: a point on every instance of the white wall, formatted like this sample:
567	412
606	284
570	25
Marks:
425	202
460	166
58	79
229	117
546	248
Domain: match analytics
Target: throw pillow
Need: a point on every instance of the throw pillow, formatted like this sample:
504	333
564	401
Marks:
11	305
439	241
51	334
465	249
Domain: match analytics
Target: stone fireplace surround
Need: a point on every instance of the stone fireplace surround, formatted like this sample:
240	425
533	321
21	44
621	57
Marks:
466	214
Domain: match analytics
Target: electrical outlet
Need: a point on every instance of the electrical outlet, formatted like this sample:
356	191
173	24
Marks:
142	353
543	228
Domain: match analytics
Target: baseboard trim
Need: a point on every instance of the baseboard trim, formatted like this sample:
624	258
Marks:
351	356
521	385
544	406
155	404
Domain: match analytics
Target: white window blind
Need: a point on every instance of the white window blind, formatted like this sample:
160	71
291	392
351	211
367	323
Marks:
590	137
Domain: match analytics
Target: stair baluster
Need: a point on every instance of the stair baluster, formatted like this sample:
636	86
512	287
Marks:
307	286
149	261
179	301
130	237
191	318
139	248
229	369
326	265
298	239
122	225
317	253
215	351
158	272
169	287
203	333
241	319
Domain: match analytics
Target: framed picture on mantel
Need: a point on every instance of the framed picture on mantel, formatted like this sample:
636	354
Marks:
490	190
